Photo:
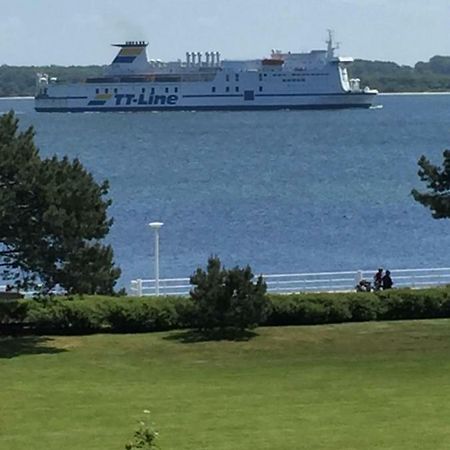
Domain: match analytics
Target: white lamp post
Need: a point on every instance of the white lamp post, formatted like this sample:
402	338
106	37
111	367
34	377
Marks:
156	226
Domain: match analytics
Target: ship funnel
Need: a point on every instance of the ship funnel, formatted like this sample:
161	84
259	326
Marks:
207	58
217	58
199	56
131	58
188	59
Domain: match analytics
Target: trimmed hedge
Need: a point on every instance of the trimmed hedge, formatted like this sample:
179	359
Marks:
119	314
405	304
130	315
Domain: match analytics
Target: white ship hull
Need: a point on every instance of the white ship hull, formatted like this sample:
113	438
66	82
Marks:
181	103
315	80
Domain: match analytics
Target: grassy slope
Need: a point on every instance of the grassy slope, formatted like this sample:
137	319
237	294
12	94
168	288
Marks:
354	386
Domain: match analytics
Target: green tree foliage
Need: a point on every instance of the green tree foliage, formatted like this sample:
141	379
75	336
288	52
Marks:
391	77
228	298
437	65
437	179
52	217
21	80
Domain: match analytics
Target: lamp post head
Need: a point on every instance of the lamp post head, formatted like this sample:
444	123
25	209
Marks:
155	225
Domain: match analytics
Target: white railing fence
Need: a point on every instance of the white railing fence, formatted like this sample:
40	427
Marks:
307	282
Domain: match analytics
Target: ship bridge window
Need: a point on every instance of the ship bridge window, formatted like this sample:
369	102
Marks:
97	91
227	78
260	77
213	89
227	89
153	91
260	89
176	90
236	88
115	90
106	90
167	90
143	90
236	77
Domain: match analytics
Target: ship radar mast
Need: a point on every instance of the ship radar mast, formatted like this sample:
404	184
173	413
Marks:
331	47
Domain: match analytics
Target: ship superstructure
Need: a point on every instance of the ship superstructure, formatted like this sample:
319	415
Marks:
317	79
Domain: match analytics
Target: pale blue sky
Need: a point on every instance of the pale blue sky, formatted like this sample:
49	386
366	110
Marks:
80	31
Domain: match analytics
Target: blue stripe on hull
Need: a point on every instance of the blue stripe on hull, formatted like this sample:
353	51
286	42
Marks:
96	102
205	108
124	59
73	97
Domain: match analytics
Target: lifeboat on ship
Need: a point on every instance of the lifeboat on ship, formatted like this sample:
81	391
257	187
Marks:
272	62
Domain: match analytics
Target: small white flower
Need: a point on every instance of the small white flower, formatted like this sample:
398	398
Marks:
146	411
142	423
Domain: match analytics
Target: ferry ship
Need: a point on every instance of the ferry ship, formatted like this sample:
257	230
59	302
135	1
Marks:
314	80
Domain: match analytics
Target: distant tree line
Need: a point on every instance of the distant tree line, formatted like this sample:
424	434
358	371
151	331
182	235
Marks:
431	76
21	80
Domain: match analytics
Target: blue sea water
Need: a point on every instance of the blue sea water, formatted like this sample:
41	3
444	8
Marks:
284	191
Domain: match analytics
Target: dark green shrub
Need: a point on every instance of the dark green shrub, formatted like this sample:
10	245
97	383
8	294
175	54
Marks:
94	314
312	312
186	311
13	311
85	316
364	307
414	304
307	309
150	314
66	316
336	311
228	298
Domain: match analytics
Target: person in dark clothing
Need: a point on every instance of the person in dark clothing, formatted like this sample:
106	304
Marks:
378	280
363	286
387	280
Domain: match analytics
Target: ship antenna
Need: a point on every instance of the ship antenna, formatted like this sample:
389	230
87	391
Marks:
330	46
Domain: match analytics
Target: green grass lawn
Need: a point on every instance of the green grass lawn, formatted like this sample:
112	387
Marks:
353	386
